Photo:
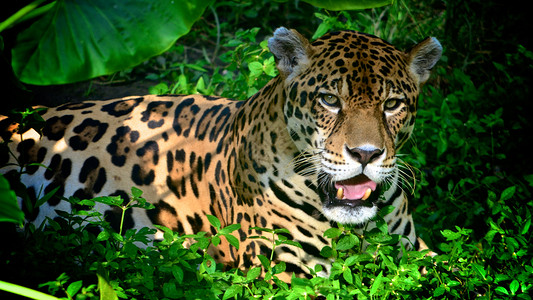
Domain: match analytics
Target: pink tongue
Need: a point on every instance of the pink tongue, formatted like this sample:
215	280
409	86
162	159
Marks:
355	188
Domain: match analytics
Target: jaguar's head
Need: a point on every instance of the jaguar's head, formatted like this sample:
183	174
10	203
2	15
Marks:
350	104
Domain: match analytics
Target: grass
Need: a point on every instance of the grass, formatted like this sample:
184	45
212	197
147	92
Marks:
472	197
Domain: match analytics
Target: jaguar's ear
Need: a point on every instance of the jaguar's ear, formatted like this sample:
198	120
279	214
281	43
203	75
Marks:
291	50
423	57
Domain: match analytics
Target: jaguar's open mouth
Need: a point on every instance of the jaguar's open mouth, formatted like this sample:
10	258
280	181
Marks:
353	192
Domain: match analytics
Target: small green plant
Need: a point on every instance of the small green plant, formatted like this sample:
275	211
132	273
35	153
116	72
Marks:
247	67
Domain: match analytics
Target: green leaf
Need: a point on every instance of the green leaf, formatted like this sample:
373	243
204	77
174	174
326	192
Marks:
453	283
110	200
177	272
256	68
46	197
332	233
74	288
136	192
377	284
215	222
103	236
288	242
439	291
106	290
525	227
264	261
170	290
230	228
159	89
215	240
253	273
347	242
279	268
232	240
232	291
502	290
9	208
480	270
514	286
508	193
386	210
327	252
450	235
81	39
347	275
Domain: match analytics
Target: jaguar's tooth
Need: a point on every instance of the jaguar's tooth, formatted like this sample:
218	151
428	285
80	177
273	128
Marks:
340	193
367	194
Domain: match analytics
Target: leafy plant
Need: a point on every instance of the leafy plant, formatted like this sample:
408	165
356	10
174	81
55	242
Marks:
109	36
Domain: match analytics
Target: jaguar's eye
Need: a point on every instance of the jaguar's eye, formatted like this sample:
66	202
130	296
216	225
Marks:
329	100
392	104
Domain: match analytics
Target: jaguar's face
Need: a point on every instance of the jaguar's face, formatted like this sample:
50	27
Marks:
349	108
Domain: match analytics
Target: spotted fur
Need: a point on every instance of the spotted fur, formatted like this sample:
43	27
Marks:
335	116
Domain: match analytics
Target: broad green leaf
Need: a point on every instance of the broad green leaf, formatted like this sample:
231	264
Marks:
81	39
9	208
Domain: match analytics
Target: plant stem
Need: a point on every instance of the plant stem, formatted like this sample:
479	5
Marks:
13	19
217	46
122	219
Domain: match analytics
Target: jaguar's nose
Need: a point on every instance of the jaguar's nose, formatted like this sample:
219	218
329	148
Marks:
365	155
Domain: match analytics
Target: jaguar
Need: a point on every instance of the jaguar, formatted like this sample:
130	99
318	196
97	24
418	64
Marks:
317	146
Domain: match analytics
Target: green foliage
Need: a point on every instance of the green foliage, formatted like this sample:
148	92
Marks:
247	67
9	208
78	40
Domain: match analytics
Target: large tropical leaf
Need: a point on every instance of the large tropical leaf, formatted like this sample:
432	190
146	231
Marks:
82	39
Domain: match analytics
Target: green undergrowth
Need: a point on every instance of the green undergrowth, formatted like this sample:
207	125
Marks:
89	264
467	169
